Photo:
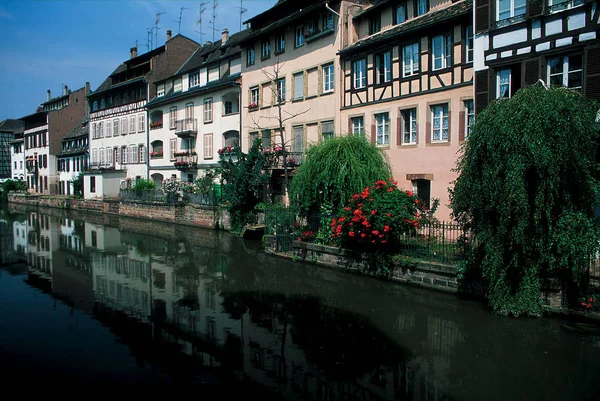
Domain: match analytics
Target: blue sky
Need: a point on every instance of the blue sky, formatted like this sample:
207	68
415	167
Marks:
47	44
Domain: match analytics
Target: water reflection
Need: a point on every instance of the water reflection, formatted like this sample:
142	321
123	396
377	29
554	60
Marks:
203	305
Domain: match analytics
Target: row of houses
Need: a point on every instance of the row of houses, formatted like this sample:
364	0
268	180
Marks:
409	74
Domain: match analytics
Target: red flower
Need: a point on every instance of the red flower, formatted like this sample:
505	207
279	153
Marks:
375	232
390	189
583	304
373	212
386	229
388	214
383	241
351	233
363	235
409	193
591	299
347	208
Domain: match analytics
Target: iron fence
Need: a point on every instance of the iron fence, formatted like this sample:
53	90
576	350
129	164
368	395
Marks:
436	241
209	199
154	195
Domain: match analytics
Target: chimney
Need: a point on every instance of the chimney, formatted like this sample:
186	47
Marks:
87	88
65	90
208	43
169	34
224	36
49	96
133	52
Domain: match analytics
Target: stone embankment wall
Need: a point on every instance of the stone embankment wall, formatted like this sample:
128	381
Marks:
180	213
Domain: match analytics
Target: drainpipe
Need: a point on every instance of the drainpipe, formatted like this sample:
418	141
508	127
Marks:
332	10
147	128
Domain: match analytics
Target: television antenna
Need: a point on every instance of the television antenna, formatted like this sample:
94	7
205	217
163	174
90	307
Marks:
214	19
199	22
156	28
149	38
242	11
180	15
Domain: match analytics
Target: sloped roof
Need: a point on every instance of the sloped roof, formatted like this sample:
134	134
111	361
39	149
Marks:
424	21
81	129
222	83
12	125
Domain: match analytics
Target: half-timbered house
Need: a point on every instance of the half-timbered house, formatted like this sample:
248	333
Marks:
519	42
407	85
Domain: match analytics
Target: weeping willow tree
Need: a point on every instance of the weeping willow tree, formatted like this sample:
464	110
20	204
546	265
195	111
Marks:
527	187
335	169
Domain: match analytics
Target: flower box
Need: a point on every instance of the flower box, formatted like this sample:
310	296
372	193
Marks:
156	125
253	106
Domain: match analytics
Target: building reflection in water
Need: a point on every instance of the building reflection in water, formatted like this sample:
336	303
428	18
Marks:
192	301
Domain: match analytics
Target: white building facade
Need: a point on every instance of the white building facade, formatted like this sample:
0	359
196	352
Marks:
17	159
196	113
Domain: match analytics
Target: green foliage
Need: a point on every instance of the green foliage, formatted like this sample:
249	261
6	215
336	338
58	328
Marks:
12	185
374	219
78	185
334	169
205	185
243	177
527	188
323	235
144	185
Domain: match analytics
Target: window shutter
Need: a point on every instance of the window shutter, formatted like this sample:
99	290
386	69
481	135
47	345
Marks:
349	126
461	126
373	134
428	132
482	89
531	71
592	72
535	8
482	16
417	128
398	131
449	126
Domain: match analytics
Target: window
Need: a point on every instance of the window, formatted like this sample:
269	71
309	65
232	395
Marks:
298	140
360	73
116	127
383	67
123	155
109	157
250	56
439	128
124	126
108	129
327	21
400	14
328	78
382	129
280	90
172	148
469	117
409	127
94	132
559	5
228	104
254	97
507	9
177	86
94	156
358	125
410	60
160	90
142	154
132	154
422	190
45	158
266	138
566	71
141	122
132	124
208	110
189	116
327	129
95	105
300	36
422	7
374	23
280	43
208	146
213	74
299	85
442	51
503	83
265	49
469	44
101	130
172	117
194	79
93	190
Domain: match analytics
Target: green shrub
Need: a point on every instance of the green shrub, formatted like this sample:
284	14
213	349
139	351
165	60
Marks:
144	185
334	169
527	187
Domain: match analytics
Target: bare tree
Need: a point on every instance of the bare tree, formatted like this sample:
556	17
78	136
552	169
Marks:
279	94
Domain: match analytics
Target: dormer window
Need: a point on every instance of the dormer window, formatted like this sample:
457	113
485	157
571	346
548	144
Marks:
327	21
250	56
213	74
421	7
194	79
400	13
374	23
160	90
177	87
280	43
265	49
509	11
300	36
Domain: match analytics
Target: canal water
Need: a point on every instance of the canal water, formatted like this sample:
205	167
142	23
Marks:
111	300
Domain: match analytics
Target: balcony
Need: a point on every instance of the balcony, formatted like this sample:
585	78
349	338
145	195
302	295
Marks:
186	162
187	128
293	159
31	166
